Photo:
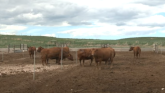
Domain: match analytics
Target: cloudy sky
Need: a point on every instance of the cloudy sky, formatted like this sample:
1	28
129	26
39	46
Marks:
87	19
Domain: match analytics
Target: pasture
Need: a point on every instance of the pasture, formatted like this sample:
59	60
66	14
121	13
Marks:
129	75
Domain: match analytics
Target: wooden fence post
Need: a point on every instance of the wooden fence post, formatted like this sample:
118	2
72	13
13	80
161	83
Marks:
23	46
20	46
8	48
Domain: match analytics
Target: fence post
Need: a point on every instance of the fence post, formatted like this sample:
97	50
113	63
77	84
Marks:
161	47
20	46
2	56
34	67
8	48
76	55
23	46
23	53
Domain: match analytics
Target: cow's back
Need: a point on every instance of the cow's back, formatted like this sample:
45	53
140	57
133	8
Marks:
80	53
102	54
44	53
112	51
53	53
137	49
84	54
88	52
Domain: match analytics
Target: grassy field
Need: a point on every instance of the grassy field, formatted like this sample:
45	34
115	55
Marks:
5	40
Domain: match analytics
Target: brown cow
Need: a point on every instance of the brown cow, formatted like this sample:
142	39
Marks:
102	54
31	51
136	51
55	53
84	54
41	48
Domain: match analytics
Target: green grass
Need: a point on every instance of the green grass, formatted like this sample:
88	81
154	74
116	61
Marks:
43	41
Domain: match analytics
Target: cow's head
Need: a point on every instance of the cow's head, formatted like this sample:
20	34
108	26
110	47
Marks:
131	48
70	57
93	51
29	48
39	49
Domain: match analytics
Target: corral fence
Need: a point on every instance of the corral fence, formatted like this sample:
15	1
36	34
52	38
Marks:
55	45
158	48
17	48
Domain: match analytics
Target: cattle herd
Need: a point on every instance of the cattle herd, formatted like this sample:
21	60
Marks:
106	54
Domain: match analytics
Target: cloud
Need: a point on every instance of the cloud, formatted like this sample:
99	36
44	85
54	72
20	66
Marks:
162	31
11	27
49	35
111	30
152	21
151	3
40	12
73	12
8	33
86	17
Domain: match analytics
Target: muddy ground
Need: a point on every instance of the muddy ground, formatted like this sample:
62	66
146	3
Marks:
143	75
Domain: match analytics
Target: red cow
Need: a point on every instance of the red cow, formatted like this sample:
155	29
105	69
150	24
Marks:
102	54
31	51
84	54
55	53
136	51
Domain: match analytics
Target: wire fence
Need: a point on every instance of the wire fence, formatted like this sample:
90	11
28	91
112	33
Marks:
22	57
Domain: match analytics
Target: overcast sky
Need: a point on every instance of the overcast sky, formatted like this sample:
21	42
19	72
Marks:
87	19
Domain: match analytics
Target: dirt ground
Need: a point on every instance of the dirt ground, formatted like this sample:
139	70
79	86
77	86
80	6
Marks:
143	75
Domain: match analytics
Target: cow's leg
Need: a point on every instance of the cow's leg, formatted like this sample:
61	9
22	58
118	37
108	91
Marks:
100	65
97	65
59	61
111	62
105	62
139	54
91	62
83	62
134	54
43	61
80	61
32	56
56	61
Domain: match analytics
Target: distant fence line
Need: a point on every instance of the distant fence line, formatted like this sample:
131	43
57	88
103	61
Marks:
17	47
20	47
